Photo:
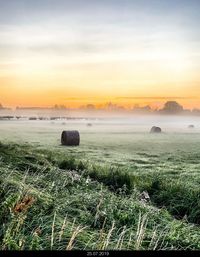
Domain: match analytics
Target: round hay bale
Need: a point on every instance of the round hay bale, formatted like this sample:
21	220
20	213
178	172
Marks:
32	118
191	126
155	129
70	137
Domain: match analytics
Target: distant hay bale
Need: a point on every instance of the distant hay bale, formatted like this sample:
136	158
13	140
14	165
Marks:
191	126
89	124
155	129
70	137
6	117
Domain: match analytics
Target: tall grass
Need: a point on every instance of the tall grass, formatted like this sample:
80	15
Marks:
65	203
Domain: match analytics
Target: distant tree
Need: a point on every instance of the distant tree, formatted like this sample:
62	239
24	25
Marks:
144	109
187	111
109	106
59	107
136	106
112	107
196	111
172	107
90	107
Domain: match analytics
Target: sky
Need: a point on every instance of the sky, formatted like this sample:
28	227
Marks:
95	51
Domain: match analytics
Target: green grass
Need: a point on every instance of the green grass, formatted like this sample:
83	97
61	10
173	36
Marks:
62	200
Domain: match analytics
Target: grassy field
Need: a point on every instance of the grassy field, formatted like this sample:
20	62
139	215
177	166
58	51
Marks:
92	196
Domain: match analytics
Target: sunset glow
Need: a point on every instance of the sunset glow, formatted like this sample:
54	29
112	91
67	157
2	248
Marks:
78	52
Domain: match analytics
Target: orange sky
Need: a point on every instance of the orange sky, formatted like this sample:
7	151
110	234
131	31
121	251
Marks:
85	54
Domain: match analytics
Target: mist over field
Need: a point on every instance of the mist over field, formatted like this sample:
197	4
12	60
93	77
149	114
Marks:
126	124
111	136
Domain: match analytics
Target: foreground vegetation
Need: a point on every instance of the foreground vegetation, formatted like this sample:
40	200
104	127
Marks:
53	201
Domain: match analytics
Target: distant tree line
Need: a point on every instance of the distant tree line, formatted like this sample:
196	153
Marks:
170	107
55	107
3	108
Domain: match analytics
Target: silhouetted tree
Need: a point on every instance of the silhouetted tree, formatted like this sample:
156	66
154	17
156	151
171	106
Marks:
144	109
59	107
90	107
172	107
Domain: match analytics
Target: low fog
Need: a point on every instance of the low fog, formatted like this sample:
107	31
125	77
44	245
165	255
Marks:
102	121
115	138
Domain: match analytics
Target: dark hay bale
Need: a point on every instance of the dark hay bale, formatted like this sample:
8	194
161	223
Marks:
70	137
6	117
155	129
191	126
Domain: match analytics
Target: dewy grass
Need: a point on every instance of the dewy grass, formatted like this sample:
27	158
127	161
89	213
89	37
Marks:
70	203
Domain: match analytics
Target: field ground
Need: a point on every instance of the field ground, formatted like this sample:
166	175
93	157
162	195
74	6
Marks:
55	197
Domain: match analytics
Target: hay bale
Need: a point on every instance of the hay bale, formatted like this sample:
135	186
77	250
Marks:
89	124
155	129
191	126
70	137
42	118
